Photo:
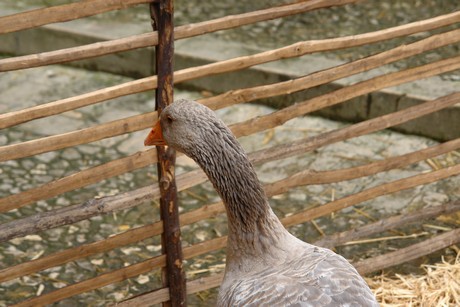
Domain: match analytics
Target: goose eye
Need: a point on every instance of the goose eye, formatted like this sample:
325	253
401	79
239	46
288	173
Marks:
169	119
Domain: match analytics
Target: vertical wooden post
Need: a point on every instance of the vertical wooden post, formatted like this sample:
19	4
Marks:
173	276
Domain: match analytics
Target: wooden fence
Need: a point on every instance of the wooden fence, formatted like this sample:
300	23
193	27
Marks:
70	214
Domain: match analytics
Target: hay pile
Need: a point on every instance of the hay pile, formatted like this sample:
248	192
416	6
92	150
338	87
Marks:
440	286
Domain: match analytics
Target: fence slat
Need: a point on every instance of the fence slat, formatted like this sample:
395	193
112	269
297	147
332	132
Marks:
80	179
361	88
139	122
173	274
310	177
386	224
90	208
161	295
245	95
295	50
78	137
371	193
409	253
75	102
261	156
120	274
279	187
215	244
151	39
60	13
366	266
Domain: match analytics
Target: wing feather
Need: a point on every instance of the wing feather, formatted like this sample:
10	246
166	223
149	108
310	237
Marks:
321	278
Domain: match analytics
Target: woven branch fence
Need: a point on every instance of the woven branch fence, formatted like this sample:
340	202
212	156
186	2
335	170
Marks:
43	221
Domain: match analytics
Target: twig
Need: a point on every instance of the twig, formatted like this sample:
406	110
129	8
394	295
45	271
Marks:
321	232
409	253
59	13
411	236
232	97
386	224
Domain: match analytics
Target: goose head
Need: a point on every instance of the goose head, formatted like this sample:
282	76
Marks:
188	126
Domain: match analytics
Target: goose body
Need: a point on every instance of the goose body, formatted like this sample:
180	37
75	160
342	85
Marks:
266	265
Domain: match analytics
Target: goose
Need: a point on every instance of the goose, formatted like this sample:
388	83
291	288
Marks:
265	264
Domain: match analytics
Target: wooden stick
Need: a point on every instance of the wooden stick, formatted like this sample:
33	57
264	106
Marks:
125	238
78	137
119	275
90	208
63	105
161	295
364	267
323	76
75	213
173	274
307	177
266	91
154	297
371	193
372	125
96	282
232	97
185	31
398	237
139	122
79	179
74	253
267	155
60	13
409	253
141	233
211	245
387	224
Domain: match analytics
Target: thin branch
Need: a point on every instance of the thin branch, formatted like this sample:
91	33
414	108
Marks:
141	233
368	126
307	177
409	253
161	295
218	243
391	222
79	179
120	274
364	267
151	39
111	204
60	13
232	97
371	193
139	122
98	206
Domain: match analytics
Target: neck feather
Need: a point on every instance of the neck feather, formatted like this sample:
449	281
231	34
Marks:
253	226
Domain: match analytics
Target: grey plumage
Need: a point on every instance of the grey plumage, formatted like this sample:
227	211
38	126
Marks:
266	265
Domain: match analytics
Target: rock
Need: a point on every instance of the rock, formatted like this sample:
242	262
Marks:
89	149
5	187
61	201
3	140
71	154
134	143
434	198
28	164
46	157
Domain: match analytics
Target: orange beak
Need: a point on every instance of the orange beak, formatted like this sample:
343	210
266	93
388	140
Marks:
155	136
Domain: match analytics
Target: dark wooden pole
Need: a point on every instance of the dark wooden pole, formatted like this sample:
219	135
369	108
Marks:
173	276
